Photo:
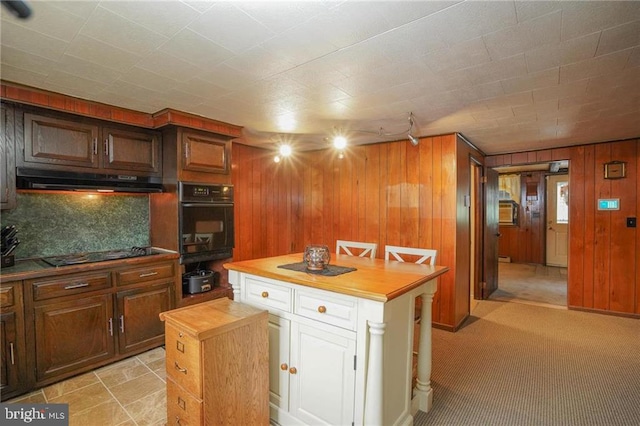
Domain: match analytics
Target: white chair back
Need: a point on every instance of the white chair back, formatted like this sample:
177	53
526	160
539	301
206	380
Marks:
424	255
363	249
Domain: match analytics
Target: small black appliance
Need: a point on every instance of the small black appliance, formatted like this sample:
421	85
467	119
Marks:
200	281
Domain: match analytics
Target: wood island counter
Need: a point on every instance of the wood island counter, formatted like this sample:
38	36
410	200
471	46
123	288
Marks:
341	347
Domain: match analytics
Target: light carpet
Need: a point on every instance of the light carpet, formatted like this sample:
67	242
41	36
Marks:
517	364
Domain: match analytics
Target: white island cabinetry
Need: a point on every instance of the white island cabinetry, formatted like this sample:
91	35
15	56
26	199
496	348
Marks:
340	348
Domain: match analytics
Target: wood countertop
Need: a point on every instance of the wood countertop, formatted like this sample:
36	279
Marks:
374	279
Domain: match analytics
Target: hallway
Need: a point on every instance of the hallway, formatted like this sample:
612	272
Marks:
531	284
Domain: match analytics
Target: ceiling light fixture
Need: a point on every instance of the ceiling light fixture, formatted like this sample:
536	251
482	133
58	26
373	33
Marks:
340	142
414	141
382	133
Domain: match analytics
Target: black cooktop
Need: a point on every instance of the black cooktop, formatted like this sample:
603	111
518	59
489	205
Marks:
99	256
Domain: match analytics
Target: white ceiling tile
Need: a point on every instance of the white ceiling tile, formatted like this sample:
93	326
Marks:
22	76
526	10
463	55
51	21
199	5
398	13
502	69
479	92
413	40
493	114
619	38
634	59
92	50
201	87
73	84
567	52
21	38
82	9
192	47
601	65
114	30
87	70
298	45
551	93
578	20
230	28
162	63
147	79
507	101
282	15
524	36
259	63
471	19
539	80
227	77
163	17
26	61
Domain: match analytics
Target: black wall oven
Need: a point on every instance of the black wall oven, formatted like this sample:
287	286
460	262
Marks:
206	222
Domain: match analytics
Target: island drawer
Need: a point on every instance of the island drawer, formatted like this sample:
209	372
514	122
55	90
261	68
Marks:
7	296
69	285
267	295
330	309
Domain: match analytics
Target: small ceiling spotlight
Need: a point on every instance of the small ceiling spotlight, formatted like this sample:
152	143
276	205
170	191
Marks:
276	159
340	142
414	141
285	150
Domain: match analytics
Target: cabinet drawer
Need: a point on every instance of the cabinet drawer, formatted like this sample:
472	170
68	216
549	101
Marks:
7	296
145	273
268	295
182	407
70	285
338	311
183	360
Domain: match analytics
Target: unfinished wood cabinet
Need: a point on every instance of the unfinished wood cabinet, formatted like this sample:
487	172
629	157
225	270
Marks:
217	356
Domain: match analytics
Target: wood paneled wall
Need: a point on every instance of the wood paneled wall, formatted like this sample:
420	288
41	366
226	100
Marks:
525	243
604	254
388	193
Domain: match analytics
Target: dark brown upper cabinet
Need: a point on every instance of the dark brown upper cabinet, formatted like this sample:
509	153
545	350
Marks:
67	143
7	159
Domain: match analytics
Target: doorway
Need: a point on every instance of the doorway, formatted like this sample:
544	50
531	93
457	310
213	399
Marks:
525	273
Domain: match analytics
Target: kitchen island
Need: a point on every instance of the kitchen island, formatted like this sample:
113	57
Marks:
341	346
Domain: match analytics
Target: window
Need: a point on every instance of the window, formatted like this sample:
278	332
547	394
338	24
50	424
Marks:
562	202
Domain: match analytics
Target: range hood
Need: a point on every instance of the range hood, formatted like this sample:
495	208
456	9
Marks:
27	178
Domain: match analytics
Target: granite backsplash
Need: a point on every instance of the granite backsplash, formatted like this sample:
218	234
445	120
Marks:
63	223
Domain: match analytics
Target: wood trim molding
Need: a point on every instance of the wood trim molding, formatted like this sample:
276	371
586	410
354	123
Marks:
56	101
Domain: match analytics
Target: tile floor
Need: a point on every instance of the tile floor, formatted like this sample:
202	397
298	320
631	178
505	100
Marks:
129	392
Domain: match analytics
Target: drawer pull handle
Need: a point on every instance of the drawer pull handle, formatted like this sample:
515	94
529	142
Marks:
148	274
180	369
284	366
293	370
265	294
177	420
13	361
122	323
72	286
322	309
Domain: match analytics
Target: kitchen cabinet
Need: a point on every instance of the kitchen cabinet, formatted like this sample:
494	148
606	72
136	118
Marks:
216	361
311	341
7	156
63	142
84	320
196	156
13	377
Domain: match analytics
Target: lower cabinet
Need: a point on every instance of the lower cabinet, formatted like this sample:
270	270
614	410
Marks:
312	363
85	320
73	334
13	380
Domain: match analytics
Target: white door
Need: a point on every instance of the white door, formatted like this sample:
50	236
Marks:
557	220
323	379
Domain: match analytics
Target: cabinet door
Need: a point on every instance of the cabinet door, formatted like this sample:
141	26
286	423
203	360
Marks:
138	317
204	154
73	335
131	150
7	157
9	371
279	342
323	375
60	142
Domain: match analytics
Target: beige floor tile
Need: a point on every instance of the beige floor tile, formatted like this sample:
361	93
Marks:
84	398
150	410
159	367
134	389
108	414
36	397
122	372
152	355
58	389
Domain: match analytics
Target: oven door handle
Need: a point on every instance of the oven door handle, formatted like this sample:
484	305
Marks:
207	204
